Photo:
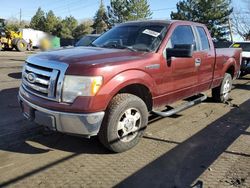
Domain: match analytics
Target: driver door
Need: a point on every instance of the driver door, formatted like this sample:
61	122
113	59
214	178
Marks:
182	73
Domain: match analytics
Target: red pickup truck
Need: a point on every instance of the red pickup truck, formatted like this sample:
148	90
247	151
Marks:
136	68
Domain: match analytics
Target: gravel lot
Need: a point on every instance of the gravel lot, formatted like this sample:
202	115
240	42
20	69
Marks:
207	144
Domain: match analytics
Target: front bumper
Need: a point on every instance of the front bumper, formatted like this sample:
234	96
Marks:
71	123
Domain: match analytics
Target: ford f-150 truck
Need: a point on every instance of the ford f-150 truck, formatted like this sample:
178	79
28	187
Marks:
136	68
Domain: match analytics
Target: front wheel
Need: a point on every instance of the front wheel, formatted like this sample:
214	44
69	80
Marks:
222	92
21	45
125	121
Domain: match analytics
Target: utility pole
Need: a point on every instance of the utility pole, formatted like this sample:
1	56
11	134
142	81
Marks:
20	16
230	29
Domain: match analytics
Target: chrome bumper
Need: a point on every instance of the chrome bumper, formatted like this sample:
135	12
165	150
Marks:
71	123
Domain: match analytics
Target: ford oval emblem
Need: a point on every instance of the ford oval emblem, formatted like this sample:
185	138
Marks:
31	77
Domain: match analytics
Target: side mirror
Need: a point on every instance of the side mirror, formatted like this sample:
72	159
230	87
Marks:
180	50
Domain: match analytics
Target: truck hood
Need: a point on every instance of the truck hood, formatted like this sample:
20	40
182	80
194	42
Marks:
89	56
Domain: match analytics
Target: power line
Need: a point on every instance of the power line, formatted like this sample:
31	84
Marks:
60	9
161	9
66	5
79	7
65	10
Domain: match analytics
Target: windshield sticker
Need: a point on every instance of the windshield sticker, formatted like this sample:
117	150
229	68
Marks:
151	33
236	45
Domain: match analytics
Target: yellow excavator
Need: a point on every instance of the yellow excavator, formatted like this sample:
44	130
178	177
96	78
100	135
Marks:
11	39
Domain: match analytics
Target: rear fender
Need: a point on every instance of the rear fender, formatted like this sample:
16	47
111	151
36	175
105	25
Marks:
231	62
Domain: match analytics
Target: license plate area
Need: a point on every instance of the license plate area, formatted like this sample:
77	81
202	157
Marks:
45	120
28	112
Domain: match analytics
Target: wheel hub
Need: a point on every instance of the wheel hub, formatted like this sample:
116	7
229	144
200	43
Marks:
226	88
129	124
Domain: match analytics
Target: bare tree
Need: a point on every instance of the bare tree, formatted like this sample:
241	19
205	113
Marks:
241	21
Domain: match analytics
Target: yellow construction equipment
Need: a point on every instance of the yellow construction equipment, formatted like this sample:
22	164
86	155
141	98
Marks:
11	39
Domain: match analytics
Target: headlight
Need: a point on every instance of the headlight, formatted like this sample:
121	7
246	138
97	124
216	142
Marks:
74	86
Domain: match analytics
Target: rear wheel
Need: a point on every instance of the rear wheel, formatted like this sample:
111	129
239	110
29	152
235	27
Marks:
124	123
21	45
222	92
243	73
29	47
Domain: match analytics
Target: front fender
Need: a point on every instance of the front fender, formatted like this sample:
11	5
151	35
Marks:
123	79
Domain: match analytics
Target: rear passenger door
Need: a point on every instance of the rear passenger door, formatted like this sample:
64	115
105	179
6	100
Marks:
207	60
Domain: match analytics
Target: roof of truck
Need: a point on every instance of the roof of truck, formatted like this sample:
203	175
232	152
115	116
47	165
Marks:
150	21
163	22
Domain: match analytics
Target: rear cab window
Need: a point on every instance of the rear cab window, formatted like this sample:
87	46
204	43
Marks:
203	39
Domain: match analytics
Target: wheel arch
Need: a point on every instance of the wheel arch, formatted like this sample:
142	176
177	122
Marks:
134	82
229	67
231	70
140	91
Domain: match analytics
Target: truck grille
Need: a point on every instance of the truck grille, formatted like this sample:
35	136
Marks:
44	79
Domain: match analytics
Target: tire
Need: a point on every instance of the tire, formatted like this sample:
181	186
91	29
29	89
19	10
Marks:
124	123
14	41
29	47
222	92
21	45
243	73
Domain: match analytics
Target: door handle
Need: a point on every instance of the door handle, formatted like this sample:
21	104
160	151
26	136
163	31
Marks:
197	62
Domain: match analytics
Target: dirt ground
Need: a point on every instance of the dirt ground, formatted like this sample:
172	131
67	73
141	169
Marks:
207	144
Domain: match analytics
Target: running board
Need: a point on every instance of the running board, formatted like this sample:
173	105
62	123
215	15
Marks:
181	107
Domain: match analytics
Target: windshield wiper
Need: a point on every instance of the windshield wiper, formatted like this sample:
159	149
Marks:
129	48
119	47
93	45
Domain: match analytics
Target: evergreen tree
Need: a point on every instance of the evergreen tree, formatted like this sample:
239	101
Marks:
67	26
213	13
38	20
51	22
127	10
118	11
139	9
100	20
83	29
13	24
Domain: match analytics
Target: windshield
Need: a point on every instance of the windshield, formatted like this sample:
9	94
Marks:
86	41
133	37
245	46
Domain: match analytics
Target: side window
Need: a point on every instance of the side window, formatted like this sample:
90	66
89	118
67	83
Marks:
204	39
181	35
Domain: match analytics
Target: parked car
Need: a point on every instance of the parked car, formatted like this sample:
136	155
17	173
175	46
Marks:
87	40
136	68
245	65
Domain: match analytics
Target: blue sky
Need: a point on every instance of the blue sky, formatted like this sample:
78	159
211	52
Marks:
80	9
86	9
